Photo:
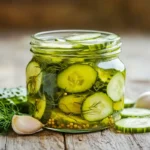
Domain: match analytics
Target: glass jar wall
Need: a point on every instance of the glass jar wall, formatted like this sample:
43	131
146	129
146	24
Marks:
75	80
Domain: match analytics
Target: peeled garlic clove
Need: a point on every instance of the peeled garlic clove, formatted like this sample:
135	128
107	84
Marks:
25	124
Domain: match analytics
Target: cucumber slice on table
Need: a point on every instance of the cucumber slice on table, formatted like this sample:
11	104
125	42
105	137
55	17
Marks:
85	36
115	88
135	112
34	77
133	125
77	78
97	107
128	103
71	103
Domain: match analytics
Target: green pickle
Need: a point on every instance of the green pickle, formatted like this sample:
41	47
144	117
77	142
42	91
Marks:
75	80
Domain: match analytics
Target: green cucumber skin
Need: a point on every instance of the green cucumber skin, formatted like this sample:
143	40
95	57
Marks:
128	105
33	77
132	129
128	102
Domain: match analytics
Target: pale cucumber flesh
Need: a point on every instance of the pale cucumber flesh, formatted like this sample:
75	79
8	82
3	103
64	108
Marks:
77	78
97	107
115	88
83	37
135	112
133	125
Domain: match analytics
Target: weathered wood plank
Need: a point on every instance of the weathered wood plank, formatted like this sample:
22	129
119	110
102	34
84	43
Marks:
143	140
45	140
105	140
3	142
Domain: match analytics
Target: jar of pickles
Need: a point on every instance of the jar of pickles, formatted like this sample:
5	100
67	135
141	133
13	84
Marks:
75	80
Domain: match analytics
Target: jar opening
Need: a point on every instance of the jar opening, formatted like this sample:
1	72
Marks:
76	43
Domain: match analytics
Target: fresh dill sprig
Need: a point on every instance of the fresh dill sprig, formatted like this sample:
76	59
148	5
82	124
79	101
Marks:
7	111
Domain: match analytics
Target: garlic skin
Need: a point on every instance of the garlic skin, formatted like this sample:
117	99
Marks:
143	101
24	125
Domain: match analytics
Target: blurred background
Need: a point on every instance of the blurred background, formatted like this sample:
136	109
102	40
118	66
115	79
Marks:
19	19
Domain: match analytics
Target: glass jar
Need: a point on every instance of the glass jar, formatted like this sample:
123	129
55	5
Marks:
75	80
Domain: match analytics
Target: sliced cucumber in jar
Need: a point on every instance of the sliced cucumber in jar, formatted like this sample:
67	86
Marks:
75	60
76	78
60	39
115	88
71	103
119	105
95	44
105	75
37	106
58	115
40	106
97	107
85	36
61	44
135	112
46	115
33	77
133	125
46	59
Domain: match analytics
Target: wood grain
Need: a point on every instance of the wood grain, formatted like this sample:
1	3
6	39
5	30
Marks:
45	140
105	140
3	140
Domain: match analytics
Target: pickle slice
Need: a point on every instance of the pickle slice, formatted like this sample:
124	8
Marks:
71	103
37	106
105	75
119	105
61	117
77	78
85	36
97	107
60	44
34	77
115	88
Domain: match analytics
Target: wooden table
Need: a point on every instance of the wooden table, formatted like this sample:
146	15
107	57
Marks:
15	55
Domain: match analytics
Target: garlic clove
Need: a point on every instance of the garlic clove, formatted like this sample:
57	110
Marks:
143	101
26	124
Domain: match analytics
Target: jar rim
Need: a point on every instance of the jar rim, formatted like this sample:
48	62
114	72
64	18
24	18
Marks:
40	43
37	35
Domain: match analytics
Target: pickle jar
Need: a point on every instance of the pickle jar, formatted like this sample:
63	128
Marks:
75	80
